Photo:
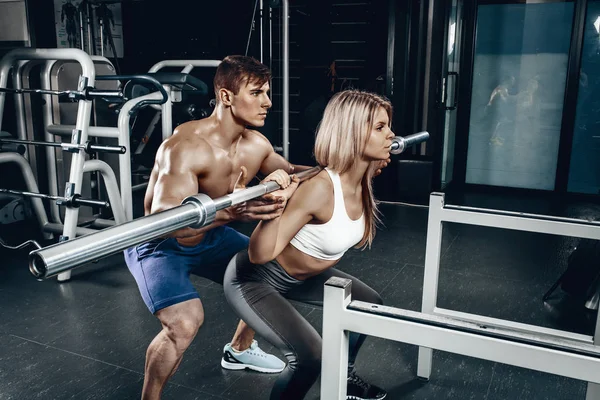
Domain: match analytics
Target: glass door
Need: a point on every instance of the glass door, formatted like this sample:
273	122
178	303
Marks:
520	61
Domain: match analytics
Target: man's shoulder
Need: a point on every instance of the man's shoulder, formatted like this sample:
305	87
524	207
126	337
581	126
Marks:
187	141
186	148
257	139
197	127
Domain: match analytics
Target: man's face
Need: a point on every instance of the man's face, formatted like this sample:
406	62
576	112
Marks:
251	103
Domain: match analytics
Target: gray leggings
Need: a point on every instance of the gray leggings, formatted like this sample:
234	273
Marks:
259	295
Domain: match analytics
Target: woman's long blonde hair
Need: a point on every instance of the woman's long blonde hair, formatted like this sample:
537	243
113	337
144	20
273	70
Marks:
341	139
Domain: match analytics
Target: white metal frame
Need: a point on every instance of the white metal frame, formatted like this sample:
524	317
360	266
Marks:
342	315
415	328
440	213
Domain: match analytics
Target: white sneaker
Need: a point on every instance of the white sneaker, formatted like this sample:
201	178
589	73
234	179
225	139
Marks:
252	358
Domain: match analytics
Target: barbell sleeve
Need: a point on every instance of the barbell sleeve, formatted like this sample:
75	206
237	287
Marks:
78	201
399	143
12	147
195	211
99	148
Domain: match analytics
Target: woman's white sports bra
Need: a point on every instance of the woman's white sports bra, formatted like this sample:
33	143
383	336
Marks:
329	241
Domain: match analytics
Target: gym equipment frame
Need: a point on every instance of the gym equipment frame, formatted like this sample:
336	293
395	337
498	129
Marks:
543	349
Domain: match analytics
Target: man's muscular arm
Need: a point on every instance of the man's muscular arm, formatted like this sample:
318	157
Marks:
178	170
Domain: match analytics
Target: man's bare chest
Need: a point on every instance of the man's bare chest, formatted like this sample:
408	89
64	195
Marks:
227	175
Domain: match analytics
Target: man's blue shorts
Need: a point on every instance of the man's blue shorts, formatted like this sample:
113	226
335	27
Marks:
162	267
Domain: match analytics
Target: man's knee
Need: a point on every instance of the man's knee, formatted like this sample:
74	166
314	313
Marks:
182	323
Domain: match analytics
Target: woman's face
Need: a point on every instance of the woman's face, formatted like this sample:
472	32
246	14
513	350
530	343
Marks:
380	137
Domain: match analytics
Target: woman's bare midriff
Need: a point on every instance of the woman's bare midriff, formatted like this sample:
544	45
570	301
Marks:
300	265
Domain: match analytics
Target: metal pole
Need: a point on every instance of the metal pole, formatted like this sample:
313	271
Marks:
271	40
334	359
81	35
286	80
101	36
91	44
261	25
167	115
196	211
20	105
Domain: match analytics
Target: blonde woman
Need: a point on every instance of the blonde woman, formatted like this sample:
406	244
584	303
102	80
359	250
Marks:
291	257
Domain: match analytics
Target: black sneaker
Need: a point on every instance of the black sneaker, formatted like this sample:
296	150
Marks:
361	390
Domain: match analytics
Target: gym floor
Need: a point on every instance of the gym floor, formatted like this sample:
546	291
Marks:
86	338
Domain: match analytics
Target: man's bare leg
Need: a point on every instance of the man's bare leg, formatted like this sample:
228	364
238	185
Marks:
180	324
243	337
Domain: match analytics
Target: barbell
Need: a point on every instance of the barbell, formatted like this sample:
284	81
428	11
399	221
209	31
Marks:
195	211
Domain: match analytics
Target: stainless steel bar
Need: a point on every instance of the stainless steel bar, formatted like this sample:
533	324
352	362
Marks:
30	194
194	211
65	256
77	201
68	146
399	144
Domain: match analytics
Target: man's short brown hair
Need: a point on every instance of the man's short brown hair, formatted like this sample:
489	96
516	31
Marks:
234	71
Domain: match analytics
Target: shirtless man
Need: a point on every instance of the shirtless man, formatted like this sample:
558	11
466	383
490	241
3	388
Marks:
213	156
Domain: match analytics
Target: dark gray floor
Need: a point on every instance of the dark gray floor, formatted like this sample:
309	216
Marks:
86	339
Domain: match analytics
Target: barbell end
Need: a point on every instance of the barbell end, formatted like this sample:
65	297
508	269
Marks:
397	146
37	266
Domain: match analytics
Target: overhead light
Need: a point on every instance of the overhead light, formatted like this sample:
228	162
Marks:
597	25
